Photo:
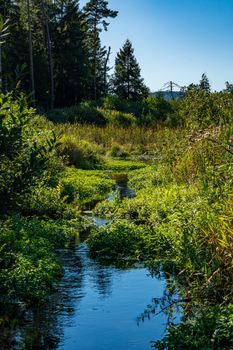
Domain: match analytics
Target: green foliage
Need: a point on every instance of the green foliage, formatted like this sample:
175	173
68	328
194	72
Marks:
70	55
71	32
118	240
127	81
29	268
24	150
182	212
201	108
118	118
118	151
204	83
182	215
208	328
85	186
120	165
96	14
81	154
118	103
156	109
185	200
45	201
88	113
83	113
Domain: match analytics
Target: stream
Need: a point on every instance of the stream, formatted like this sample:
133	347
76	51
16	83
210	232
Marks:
96	307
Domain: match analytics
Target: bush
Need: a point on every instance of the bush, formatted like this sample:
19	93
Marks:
81	154
201	109
28	265
85	112
25	149
156	109
45	201
118	151
85	186
119	240
207	328
118	118
122	105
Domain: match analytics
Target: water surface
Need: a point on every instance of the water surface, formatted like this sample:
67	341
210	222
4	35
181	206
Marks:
107	307
96	307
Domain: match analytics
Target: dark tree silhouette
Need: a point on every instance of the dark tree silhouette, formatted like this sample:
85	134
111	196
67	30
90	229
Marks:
127	81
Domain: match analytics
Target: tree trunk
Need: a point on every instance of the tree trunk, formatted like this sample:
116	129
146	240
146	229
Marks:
50	57
32	81
95	61
105	70
128	79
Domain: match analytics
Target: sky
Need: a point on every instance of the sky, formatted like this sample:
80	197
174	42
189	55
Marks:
175	40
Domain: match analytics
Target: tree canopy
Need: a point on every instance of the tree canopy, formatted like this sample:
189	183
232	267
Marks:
127	81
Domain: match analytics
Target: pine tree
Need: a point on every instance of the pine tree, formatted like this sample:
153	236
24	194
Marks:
229	88
96	13
26	59
204	83
127	81
70	58
32	78
15	49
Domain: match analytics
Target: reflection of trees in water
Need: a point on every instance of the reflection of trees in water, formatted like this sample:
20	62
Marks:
101	278
42	327
99	275
171	303
36	328
125	192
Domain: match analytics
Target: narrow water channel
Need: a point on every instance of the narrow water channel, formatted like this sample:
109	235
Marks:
104	304
96	307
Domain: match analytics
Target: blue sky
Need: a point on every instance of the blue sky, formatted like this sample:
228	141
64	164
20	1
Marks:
175	40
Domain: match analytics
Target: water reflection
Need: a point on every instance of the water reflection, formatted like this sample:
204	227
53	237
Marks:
95	307
122	191
42	327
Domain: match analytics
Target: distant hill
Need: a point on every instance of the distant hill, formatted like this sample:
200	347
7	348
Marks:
167	94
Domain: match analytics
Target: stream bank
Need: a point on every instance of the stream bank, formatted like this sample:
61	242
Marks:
96	305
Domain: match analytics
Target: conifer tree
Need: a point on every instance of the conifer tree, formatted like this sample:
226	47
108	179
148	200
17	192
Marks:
32	78
96	13
70	58
229	87
127	81
15	49
204	83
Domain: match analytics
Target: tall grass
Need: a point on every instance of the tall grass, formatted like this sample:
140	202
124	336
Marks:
135	139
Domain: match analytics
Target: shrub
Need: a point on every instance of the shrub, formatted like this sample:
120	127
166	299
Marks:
28	265
85	186
83	113
81	154
201	109
118	240
24	150
118	151
120	104
118	118
206	328
156	109
44	201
